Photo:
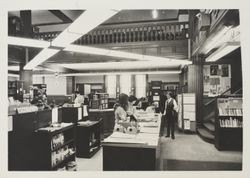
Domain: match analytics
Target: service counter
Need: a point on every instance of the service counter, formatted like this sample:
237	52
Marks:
133	151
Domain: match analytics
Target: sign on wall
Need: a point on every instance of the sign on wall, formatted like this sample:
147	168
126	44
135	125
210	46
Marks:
216	79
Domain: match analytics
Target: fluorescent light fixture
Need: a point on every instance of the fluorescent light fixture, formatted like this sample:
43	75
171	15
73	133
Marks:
112	73
14	68
224	35
13	75
222	51
154	14
44	68
124	65
121	54
86	22
27	42
40	58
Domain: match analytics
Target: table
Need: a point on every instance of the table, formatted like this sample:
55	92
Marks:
133	152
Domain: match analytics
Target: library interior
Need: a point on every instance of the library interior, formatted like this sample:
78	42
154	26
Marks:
126	90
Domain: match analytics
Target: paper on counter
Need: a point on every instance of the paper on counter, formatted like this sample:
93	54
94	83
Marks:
151	130
122	135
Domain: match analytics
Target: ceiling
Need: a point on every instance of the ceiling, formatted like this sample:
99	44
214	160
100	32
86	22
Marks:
58	20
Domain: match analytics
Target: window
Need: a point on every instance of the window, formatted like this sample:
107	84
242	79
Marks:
111	85
125	83
140	86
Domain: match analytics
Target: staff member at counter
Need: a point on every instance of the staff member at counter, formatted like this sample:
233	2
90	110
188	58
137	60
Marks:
124	109
121	107
79	99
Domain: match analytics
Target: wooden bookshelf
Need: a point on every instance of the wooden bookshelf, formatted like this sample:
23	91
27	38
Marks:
229	123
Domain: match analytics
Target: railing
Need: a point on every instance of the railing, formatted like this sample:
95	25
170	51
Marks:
128	33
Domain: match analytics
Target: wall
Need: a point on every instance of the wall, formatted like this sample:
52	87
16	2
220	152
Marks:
163	77
37	79
89	79
56	86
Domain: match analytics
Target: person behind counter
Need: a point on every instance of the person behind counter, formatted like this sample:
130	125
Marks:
79	99
170	113
120	108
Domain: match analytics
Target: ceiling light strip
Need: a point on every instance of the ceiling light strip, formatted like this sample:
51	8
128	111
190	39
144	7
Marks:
86	22
40	57
112	73
82	25
27	42
223	51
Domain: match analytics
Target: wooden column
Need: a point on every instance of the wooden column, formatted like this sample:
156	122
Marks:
26	75
195	84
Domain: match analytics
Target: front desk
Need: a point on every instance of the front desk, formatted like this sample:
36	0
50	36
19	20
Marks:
133	151
106	118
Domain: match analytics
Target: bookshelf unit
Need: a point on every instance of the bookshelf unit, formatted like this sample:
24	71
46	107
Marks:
34	142
100	101
228	123
55	149
155	91
15	90
170	87
88	138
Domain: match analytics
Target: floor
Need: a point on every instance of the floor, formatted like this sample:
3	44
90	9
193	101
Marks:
186	152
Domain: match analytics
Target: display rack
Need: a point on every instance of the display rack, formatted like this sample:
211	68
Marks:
229	123
187	112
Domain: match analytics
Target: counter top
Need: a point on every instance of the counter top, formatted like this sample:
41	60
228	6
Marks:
147	137
101	110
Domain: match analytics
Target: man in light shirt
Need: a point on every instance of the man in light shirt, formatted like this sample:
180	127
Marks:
170	112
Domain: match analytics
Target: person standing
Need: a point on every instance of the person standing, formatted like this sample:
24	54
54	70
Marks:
170	113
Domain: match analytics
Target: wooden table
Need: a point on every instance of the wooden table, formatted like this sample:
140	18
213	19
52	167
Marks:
133	152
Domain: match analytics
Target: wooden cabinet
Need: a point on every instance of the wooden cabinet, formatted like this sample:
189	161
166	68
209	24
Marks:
88	138
106	118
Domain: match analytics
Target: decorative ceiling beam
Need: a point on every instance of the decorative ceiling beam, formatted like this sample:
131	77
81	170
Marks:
61	16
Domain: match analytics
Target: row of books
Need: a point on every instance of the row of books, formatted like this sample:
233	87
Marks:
57	141
230	111
230	123
71	166
61	154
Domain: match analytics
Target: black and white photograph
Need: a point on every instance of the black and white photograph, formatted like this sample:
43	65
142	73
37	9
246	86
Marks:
119	89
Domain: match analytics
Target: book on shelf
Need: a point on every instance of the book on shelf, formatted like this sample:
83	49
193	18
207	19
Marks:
230	106
230	123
